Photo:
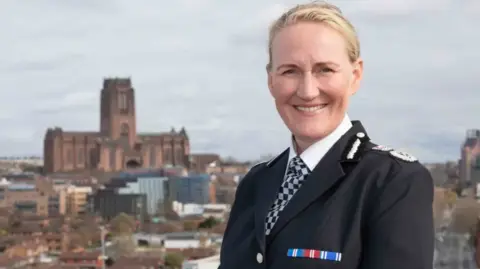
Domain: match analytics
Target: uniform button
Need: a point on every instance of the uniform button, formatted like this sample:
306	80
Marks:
259	257
360	135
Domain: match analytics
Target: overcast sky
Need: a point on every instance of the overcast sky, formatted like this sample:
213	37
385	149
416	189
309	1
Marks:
200	64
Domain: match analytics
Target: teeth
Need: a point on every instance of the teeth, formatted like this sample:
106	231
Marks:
310	109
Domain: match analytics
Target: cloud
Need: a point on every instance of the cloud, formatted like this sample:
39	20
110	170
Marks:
200	64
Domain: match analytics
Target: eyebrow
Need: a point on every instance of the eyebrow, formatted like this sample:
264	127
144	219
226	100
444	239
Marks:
317	63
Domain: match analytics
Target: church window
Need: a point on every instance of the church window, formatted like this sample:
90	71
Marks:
178	156
69	156
81	156
152	157
123	102
124	130
166	156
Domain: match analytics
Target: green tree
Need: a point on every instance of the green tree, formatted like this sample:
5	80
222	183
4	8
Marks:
174	260
123	246
450	198
209	223
122	224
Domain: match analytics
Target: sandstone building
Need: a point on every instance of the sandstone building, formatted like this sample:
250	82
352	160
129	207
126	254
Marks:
117	145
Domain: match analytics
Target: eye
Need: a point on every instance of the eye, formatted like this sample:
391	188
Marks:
288	71
326	70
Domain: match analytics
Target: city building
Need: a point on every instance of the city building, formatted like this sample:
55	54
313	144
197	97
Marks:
216	211
117	145
195	189
228	167
90	260
108	203
180	240
74	197
152	187
200	162
469	164
36	197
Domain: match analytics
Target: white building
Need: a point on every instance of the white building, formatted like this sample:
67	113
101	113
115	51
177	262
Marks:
180	240
207	210
206	263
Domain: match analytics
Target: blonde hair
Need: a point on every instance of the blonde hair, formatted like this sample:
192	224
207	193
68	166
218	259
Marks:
318	12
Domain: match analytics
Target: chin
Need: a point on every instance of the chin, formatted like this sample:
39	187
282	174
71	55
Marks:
311	128
310	133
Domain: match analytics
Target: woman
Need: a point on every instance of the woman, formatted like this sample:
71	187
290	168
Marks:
333	199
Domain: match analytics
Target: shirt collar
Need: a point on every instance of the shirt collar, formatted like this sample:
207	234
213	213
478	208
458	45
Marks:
313	154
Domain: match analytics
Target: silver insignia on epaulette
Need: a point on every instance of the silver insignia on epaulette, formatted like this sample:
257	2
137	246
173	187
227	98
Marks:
403	156
382	148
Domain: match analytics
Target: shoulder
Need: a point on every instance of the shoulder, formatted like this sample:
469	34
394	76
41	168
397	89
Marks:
380	154
249	178
389	153
250	175
396	167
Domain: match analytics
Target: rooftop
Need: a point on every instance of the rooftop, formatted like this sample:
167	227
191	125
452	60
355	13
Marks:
21	187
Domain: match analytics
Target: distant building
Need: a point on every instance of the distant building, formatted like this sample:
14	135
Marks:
228	167
109	203
35	197
152	187
216	211
75	198
194	189
179	240
469	164
117	145
200	162
91	260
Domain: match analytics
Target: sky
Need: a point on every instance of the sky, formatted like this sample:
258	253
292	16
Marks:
200	64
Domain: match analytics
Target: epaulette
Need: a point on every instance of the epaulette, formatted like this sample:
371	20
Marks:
395	153
355	147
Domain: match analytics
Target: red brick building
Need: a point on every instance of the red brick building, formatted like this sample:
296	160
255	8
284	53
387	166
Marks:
117	145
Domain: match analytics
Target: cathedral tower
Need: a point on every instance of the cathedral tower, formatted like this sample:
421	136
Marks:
117	110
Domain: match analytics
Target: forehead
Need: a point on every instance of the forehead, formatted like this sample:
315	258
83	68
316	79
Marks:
309	42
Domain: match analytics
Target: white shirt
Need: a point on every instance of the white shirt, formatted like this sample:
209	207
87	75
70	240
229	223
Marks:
313	154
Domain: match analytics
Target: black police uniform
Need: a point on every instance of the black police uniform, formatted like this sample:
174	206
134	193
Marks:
363	207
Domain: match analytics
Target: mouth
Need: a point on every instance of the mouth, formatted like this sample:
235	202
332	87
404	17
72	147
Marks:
310	109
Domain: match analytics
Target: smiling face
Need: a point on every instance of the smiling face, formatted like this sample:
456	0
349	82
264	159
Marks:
311	78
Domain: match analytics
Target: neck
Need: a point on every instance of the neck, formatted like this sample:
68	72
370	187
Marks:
302	144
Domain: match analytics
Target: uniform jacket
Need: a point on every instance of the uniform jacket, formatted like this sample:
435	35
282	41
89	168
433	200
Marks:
364	206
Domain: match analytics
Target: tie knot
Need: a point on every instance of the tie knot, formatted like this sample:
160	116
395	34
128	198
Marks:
297	167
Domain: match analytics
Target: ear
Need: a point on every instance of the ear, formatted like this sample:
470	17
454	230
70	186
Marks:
357	75
269	80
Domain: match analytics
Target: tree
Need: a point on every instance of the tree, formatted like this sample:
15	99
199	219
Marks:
122	224
209	223
450	198
123	246
174	260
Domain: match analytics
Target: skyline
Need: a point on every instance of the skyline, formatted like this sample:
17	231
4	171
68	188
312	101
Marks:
206	71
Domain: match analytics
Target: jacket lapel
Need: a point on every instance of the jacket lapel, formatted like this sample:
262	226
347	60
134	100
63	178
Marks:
267	185
328	172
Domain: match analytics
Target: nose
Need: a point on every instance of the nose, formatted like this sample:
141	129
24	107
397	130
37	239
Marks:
308	88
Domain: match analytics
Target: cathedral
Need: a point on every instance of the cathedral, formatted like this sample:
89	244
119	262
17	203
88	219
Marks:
117	145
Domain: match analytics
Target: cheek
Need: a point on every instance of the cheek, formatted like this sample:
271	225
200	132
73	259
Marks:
336	86
283	89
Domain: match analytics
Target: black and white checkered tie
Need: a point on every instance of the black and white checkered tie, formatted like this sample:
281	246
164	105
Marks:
296	173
